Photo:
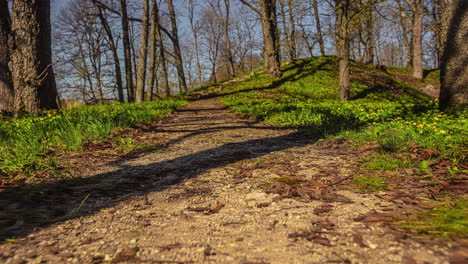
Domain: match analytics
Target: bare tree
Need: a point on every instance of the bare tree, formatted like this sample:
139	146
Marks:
175	40
152	56
143	54
227	40
113	47
267	12
127	51
318	27
195	27
417	7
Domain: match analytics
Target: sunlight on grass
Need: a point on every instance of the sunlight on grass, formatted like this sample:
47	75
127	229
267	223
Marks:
448	218
29	144
370	183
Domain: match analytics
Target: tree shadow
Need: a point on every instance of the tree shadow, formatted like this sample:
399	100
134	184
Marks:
27	207
298	65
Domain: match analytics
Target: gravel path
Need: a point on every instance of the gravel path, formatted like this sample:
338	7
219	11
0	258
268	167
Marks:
211	197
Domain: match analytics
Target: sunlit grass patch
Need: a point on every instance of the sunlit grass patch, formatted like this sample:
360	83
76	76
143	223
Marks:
447	218
29	144
387	162
370	183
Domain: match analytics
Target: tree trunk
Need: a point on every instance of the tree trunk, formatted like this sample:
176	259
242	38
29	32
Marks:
417	29
292	34
175	40
287	39
6	83
454	71
152	62
342	44
127	51
369	31
407	40
270	37
232	68
113	47
162	53
195	39
31	62
318	26
142	57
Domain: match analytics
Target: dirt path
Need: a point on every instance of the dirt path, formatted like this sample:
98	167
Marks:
203	200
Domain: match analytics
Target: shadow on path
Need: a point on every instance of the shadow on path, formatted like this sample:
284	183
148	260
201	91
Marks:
27	207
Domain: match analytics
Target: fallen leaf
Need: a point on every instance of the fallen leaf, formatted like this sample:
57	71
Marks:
322	241
216	208
357	238
373	218
324	208
171	246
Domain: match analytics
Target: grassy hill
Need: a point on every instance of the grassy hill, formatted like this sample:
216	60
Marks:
383	108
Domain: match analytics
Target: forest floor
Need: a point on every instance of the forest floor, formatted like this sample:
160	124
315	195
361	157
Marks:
220	189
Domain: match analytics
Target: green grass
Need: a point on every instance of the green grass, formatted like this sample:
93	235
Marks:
445	219
386	162
370	183
29	144
382	109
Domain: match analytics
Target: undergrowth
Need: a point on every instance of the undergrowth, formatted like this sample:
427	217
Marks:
29	144
382	109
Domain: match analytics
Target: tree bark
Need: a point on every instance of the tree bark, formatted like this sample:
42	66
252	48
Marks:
270	37
143	54
195	39
127	51
417	28
152	55
292	34
369	31
230	58
318	27
342	44
162	53
454	71
31	62
113	47
407	40
6	83
175	41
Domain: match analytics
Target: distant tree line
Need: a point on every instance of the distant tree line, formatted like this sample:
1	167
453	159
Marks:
138	50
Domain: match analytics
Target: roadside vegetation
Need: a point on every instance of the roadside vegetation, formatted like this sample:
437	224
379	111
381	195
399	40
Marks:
31	144
400	134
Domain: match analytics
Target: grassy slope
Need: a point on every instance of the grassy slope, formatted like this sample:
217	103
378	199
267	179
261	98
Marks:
404	125
381	108
30	144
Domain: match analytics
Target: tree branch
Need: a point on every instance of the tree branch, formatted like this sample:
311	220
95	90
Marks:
117	12
250	5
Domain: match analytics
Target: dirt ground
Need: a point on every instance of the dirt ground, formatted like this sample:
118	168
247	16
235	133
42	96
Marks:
221	191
